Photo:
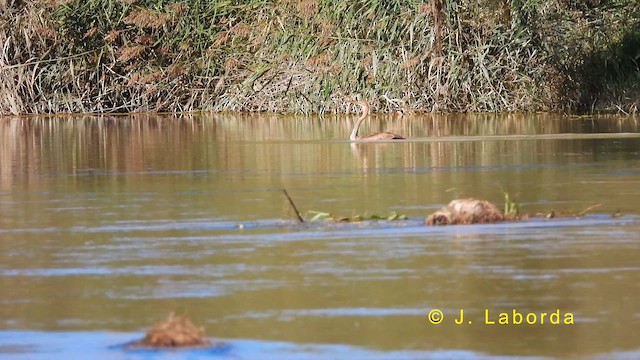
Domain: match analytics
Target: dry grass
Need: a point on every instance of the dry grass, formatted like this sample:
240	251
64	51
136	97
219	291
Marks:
308	8
311	56
146	18
466	211
176	331
130	53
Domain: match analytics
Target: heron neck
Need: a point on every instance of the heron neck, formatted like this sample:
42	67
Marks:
356	127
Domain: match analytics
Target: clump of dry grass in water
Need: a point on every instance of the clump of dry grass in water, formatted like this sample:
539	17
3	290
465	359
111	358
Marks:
176	331
466	211
473	211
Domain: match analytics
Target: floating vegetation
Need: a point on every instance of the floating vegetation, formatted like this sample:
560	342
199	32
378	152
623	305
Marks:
466	211
473	211
176	331
325	216
459	212
566	213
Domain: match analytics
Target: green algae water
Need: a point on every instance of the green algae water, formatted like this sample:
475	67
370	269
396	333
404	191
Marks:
107	224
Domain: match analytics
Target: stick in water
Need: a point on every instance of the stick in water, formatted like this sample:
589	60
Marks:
293	205
583	212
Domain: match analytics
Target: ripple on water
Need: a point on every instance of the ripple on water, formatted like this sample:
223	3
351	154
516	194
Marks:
18	345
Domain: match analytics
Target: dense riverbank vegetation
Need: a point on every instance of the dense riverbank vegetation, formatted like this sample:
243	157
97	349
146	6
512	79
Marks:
312	55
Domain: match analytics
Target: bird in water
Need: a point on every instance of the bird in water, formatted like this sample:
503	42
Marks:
371	137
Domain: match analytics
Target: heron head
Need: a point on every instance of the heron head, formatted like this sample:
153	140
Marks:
364	104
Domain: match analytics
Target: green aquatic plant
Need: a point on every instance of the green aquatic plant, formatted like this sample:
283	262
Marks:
511	207
319	215
325	216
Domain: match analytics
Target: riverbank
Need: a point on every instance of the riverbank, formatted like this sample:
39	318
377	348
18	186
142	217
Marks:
311	56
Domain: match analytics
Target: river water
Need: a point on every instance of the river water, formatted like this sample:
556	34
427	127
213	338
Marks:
108	224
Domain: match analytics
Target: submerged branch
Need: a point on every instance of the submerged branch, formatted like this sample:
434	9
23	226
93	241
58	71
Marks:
293	205
588	209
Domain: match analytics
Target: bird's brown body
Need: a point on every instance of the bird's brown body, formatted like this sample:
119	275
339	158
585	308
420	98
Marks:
371	137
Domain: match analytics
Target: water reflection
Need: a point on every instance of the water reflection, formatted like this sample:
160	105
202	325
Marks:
81	145
249	153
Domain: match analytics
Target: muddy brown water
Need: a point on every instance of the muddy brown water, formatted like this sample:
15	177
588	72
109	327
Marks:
110	223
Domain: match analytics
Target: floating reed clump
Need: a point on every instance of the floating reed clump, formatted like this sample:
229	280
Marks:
466	211
474	211
176	331
310	56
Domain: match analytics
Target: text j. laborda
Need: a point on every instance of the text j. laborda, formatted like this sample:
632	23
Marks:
509	317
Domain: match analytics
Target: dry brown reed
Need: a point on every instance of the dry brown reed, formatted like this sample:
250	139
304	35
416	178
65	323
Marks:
146	18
